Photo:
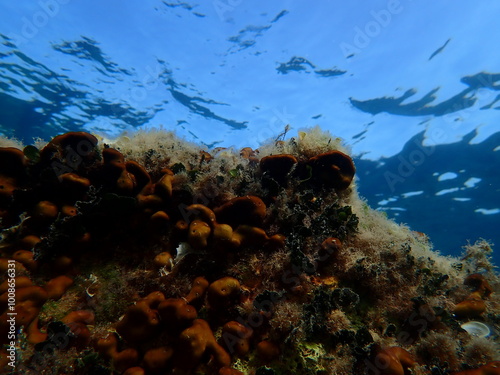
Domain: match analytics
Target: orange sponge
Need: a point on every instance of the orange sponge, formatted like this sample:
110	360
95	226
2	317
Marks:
197	341
176	313
73	187
121	360
12	168
20	282
394	361
25	257
57	287
201	212
332	169
157	360
12	161
249	210
248	235
113	161
472	307
141	321
45	211
29	241
249	154
200	285
77	322
139	173
221	292
236	338
229	371
69	151
164	260
29	301
134	371
198	234
163	187
278	167
267	351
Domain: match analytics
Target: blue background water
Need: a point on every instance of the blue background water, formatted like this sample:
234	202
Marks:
412	86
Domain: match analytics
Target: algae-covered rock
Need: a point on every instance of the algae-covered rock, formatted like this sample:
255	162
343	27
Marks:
193	261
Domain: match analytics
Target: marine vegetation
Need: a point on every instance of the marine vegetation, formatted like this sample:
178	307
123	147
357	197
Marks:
150	255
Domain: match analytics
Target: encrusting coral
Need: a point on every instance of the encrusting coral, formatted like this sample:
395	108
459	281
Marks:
151	256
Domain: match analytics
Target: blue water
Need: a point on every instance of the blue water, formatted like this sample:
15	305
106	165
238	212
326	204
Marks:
413	87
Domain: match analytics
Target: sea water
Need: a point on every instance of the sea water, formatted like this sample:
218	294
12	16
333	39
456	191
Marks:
411	86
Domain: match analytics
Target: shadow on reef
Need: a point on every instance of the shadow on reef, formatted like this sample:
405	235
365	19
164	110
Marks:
151	256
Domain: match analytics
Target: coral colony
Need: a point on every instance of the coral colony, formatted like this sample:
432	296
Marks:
148	255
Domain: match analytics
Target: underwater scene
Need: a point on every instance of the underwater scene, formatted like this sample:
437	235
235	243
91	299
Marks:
231	187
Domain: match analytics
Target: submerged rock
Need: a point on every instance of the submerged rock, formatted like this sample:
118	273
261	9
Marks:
234	263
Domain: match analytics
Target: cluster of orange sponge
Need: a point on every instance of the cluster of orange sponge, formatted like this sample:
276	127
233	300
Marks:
192	341
332	169
236	223
58	230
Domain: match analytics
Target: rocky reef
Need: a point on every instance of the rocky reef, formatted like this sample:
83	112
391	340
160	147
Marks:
149	255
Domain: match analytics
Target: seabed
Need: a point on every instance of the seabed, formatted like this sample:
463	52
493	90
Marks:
150	255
